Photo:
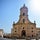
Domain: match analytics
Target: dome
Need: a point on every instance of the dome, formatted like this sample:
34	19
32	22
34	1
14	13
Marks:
23	7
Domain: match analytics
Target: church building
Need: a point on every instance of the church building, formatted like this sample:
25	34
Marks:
24	27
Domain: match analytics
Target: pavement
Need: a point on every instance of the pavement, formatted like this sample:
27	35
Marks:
13	39
10	39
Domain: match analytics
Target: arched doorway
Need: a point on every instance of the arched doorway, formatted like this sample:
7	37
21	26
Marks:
23	33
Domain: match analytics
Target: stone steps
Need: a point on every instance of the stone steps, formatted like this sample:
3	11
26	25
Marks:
16	39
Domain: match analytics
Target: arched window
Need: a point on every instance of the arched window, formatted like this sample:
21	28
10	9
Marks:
23	20
32	31
23	14
32	27
15	31
23	27
32	35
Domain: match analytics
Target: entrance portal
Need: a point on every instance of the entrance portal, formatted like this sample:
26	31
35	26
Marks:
23	33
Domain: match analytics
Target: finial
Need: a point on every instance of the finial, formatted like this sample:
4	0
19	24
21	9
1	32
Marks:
13	22
24	5
34	22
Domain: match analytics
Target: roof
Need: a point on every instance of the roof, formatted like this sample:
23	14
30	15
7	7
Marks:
1	29
38	28
23	7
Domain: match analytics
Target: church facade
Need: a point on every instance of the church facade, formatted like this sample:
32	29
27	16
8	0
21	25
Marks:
24	27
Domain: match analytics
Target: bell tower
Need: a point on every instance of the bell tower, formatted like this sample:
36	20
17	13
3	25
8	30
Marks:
24	14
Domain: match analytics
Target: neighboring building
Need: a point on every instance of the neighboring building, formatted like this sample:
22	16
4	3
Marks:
7	35
24	27
38	32
1	32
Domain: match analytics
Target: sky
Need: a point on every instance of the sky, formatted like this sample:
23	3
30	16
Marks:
10	11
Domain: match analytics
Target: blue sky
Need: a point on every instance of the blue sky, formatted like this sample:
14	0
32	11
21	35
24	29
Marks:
10	11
